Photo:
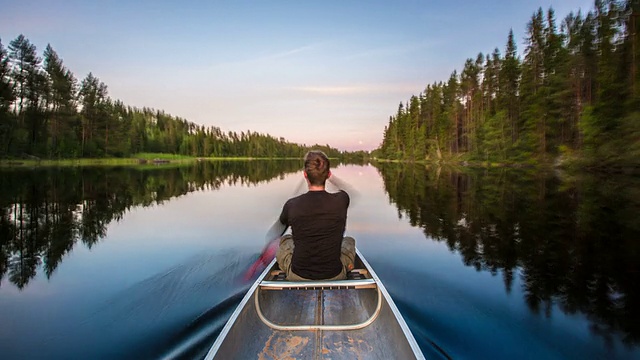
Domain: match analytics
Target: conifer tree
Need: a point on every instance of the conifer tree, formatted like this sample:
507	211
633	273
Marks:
449	129
60	101
509	83
93	94
632	51
7	98
29	84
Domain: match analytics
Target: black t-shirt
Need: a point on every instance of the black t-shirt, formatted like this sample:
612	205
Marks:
317	220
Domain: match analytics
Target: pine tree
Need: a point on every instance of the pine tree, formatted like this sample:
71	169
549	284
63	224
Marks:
557	91
630	18
60	100
449	131
632	41
6	89
413	148
93	94
490	82
401	132
610	89
509	83
30	88
600	123
24	64
576	75
470	91
7	98
532	135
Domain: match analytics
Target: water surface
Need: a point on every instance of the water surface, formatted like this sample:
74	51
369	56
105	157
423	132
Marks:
149	262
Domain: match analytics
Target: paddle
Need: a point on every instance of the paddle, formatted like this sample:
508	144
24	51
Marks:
278	229
272	241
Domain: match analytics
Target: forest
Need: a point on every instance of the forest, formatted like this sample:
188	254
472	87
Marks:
573	97
46	112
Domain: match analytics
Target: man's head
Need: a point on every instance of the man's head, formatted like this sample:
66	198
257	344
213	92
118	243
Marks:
316	167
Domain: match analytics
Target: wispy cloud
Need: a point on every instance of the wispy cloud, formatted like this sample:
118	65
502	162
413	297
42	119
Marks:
334	90
286	53
363	89
280	55
393	50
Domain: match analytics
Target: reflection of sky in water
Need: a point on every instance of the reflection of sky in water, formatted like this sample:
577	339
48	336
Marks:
158	269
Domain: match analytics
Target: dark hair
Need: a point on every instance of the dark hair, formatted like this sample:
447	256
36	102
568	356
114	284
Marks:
316	165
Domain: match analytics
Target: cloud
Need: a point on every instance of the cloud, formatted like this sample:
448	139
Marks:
395	50
280	55
334	90
364	89
286	53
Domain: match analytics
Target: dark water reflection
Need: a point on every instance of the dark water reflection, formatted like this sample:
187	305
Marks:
46	211
147	262
573	242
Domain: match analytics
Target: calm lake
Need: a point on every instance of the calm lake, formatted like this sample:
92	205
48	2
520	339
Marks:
145	263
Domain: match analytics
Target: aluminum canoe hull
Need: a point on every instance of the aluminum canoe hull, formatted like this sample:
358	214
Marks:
347	319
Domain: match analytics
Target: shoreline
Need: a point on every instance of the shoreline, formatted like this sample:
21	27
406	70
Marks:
131	161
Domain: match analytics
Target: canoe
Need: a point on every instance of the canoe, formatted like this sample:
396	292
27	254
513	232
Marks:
343	319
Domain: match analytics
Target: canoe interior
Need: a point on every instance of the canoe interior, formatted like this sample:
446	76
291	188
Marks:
250	338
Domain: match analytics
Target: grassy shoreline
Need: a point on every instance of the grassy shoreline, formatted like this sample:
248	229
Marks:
468	163
136	160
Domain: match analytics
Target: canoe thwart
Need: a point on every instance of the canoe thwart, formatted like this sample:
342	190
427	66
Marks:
354	274
319	284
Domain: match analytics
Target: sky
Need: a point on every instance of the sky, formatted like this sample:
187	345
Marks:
313	72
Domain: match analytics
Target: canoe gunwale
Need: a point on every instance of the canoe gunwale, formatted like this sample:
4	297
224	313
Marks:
394	309
227	327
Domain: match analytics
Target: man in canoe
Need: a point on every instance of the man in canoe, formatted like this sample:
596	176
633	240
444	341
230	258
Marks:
316	248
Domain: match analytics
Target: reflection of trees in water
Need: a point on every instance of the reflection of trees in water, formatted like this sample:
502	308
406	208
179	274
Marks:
573	243
45	212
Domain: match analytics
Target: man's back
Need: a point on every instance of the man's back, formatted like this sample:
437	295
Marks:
317	220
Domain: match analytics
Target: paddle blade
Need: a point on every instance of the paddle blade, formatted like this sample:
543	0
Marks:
268	253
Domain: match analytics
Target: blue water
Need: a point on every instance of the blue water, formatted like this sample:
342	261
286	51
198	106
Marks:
165	278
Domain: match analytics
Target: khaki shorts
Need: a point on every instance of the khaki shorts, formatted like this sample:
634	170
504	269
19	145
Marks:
285	253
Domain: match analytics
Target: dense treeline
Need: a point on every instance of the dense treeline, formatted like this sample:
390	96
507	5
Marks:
46	112
571	244
575	92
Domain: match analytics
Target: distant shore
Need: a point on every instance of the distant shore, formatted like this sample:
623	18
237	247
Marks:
138	159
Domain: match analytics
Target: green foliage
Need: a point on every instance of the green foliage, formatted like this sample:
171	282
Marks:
152	156
574	90
592	132
494	140
45	113
630	139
